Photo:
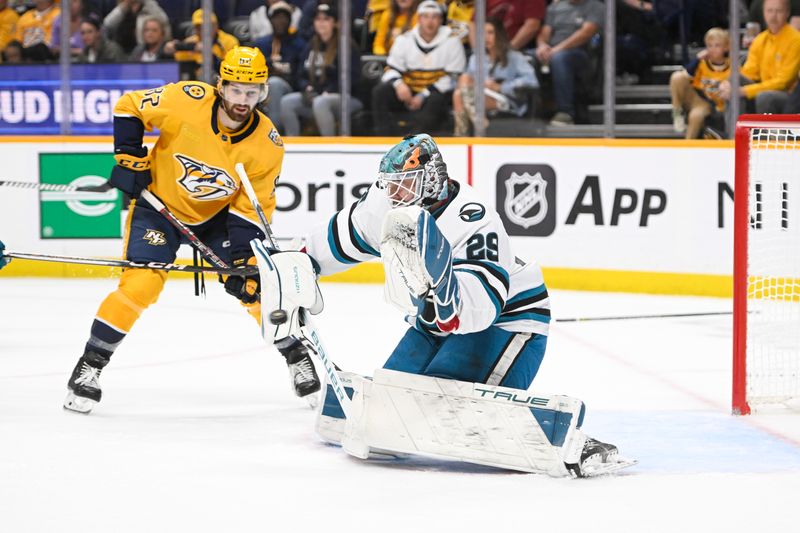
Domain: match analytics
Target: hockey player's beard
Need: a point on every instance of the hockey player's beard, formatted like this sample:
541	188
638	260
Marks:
237	112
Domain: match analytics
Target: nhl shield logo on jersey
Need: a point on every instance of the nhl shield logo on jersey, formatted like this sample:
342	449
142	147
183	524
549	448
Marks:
195	91
204	182
155	237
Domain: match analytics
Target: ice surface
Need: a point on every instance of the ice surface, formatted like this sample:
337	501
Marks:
198	429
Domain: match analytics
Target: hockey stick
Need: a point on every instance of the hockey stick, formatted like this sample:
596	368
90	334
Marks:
52	187
310	337
638	317
123	263
204	249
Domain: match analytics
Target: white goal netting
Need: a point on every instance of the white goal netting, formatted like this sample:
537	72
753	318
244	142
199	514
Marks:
773	266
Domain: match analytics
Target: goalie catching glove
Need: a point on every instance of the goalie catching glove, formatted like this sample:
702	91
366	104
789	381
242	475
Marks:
417	257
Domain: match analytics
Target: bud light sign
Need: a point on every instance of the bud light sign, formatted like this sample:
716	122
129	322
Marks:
31	101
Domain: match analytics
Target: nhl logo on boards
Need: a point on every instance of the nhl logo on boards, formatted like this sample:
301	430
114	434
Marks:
528	196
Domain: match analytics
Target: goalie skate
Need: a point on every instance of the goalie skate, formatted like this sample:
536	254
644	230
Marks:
84	386
599	459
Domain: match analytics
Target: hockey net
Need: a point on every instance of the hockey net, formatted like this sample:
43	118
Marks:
766	360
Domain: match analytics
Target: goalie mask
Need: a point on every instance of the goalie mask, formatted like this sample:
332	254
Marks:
413	172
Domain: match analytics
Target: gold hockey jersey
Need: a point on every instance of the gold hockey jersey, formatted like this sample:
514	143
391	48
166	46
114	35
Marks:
192	162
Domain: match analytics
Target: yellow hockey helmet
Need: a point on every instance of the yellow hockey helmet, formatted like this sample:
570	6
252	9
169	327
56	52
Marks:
244	64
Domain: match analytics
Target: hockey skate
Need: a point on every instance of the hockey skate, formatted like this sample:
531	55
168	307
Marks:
84	387
302	373
597	459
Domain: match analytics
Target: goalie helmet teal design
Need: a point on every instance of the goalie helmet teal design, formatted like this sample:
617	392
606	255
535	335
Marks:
413	172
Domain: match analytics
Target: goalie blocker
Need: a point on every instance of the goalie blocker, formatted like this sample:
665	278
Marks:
397	413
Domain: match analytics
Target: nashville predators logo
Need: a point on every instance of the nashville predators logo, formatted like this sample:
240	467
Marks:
204	182
155	237
195	91
275	137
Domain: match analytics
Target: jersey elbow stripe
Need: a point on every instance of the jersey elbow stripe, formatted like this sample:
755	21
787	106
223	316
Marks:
358	242
491	269
335	244
493	293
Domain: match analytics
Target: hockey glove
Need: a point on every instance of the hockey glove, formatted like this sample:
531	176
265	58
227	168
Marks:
131	182
437	260
245	288
4	260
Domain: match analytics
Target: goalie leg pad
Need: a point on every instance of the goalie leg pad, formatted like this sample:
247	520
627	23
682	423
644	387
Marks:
474	423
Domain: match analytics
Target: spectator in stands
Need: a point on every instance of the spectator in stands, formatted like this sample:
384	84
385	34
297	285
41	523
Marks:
284	53
77	12
190	50
695	91
562	48
420	72
154	35
308	11
125	23
521	18
756	13
12	53
399	18
8	24
319	96
772	62
96	49
459	17
260	25
35	30
375	9
508	72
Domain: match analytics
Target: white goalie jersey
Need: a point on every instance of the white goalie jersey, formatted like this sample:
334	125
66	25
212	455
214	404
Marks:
497	288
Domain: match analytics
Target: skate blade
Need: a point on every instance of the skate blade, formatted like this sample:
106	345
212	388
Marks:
603	469
312	399
78	404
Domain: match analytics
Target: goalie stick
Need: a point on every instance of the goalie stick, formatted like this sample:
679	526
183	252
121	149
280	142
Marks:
309	336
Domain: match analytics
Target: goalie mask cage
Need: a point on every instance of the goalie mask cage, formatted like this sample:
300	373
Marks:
766	273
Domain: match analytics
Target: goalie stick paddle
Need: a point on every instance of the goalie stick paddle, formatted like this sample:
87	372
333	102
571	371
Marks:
124	263
310	337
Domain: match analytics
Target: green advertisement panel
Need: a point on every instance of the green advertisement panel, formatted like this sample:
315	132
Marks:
78	215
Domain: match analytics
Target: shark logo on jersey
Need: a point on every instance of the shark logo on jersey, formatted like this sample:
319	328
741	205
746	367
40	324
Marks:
471	212
155	237
204	182
523	193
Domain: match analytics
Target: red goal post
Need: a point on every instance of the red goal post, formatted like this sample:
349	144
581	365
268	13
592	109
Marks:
766	272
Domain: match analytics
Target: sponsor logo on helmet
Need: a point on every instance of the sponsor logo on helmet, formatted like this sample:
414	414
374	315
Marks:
195	91
245	61
204	182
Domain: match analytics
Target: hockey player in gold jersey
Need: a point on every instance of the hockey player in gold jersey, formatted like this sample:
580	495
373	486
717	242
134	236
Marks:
203	132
